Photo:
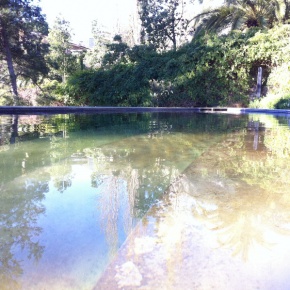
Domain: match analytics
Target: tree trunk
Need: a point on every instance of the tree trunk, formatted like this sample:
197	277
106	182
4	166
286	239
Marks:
173	30
9	61
286	16
174	39
14	133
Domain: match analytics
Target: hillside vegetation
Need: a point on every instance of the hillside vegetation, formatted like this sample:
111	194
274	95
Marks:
211	70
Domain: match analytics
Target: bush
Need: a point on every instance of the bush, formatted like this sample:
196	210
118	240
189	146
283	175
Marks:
53	93
122	85
283	103
268	102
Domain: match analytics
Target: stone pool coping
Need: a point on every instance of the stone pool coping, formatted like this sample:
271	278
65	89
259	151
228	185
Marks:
73	109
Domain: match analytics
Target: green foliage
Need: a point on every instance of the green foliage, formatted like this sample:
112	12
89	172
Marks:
268	102
22	29
283	103
5	98
163	22
212	70
279	79
271	49
182	78
215	72
116	52
122	85
242	15
62	63
53	93
272	101
140	53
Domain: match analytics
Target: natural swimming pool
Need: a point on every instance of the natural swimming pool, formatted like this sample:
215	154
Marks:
74	187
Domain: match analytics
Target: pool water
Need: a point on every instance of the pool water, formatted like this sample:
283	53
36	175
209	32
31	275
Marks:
74	188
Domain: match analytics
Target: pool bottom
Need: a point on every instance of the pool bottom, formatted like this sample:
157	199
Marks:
219	226
172	249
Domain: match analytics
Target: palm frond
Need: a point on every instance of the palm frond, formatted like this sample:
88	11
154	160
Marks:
214	20
241	14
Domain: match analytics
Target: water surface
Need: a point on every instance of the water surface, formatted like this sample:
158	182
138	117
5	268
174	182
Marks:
73	187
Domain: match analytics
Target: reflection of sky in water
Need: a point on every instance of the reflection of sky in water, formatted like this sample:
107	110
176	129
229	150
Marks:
74	241
74	237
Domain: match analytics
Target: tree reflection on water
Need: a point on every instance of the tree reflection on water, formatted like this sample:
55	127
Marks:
243	194
20	207
132	159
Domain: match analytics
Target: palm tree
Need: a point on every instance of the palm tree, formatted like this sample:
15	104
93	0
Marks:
242	14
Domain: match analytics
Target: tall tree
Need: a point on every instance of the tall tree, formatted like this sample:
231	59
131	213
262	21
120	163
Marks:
60	59
100	39
162	22
22	28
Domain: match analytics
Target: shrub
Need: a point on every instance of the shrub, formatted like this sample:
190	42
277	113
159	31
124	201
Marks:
268	102
283	103
122	85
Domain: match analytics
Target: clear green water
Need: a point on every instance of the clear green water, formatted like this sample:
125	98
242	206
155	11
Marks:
73	187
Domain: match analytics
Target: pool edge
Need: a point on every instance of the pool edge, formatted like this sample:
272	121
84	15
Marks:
74	109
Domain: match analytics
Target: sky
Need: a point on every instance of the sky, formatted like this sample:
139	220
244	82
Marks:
80	14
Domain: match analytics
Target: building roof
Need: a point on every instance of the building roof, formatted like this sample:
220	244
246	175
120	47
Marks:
73	47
